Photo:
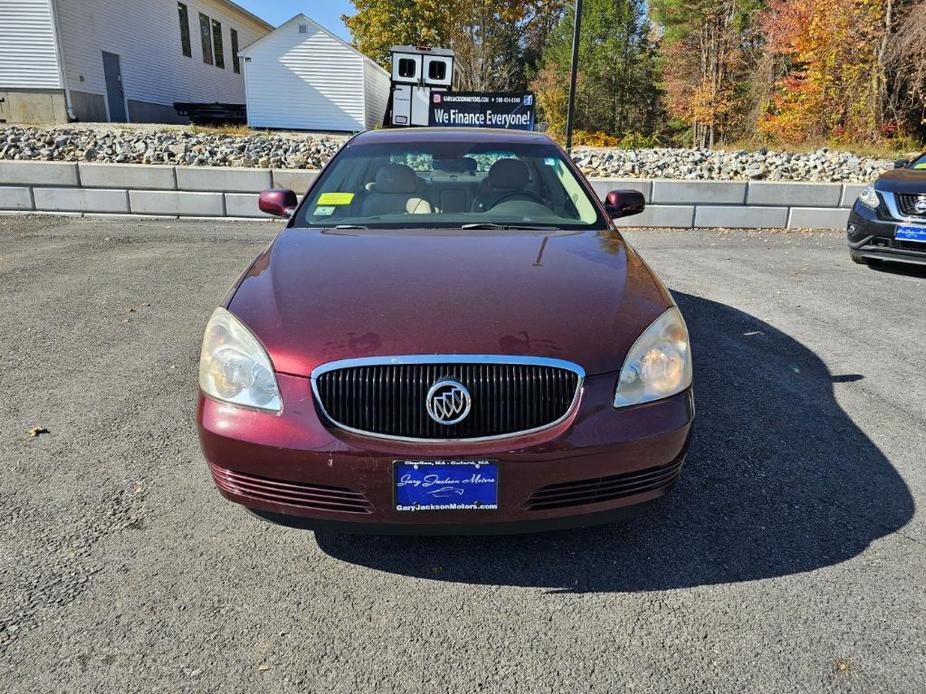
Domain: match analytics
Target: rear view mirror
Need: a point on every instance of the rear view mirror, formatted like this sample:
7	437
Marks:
901	163
623	203
280	202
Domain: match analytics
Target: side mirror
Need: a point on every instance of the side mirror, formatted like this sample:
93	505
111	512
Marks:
280	202
901	163
623	203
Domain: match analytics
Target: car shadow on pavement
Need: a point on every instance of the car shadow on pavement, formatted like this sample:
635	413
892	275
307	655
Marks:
779	480
907	269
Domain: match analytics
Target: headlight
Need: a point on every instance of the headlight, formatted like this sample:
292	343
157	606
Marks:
869	198
234	366
659	363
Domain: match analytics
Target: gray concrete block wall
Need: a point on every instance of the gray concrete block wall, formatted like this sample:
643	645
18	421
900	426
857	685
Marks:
818	218
38	173
177	203
215	192
80	200
297	180
677	216
603	186
794	194
699	192
850	192
153	177
243	205
15	198
740	217
217	178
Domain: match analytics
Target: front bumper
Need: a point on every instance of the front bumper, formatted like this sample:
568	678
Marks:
871	235
292	469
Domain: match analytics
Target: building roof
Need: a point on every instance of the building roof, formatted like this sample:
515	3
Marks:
238	8
304	19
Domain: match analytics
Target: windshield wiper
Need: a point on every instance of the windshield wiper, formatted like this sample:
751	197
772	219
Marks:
493	225
350	226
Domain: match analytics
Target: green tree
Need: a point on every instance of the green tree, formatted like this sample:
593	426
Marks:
709	52
616	90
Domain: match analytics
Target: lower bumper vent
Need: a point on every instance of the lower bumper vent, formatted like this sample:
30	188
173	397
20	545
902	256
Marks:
317	497
596	490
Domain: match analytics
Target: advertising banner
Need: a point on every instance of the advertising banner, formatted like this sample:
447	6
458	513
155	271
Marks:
481	110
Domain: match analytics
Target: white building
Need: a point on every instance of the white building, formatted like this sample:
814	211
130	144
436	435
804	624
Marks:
302	77
119	60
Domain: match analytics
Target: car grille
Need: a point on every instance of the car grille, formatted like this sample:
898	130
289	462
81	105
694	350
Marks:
388	399
318	497
915	246
599	489
907	204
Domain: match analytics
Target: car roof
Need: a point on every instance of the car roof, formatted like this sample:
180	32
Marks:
424	135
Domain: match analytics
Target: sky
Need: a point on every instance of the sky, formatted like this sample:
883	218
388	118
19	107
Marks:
325	12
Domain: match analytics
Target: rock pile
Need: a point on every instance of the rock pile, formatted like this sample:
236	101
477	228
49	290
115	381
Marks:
180	146
195	147
698	164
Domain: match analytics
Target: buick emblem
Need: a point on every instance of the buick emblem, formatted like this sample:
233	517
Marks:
920	204
448	402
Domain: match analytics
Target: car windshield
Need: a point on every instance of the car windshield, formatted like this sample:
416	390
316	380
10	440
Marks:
450	185
919	163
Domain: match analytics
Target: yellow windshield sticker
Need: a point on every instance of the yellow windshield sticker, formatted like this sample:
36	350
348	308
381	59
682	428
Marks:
335	198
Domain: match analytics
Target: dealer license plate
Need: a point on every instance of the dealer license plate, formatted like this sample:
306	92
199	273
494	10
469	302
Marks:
905	233
446	485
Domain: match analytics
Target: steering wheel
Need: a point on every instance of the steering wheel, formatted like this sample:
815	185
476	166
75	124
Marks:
523	194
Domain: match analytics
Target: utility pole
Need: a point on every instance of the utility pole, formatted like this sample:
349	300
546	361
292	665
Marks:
570	107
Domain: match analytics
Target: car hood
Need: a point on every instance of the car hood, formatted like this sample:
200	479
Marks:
903	181
316	296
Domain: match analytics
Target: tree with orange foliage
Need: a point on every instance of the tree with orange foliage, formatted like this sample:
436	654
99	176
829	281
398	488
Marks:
828	81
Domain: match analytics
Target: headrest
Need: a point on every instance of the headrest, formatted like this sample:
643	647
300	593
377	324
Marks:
396	178
456	165
509	174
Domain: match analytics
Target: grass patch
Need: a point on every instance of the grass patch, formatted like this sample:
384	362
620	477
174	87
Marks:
231	130
899	149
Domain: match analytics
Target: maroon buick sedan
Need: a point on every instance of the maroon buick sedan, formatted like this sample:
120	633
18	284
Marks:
449	336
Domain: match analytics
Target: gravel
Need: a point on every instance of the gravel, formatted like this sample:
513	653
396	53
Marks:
823	165
179	146
789	557
186	146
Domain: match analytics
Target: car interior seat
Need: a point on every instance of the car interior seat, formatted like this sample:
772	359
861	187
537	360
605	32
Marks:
396	190
507	178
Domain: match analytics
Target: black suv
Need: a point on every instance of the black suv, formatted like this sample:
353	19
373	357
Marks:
888	221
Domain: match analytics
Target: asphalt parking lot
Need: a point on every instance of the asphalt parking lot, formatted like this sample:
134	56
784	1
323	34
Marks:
790	557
